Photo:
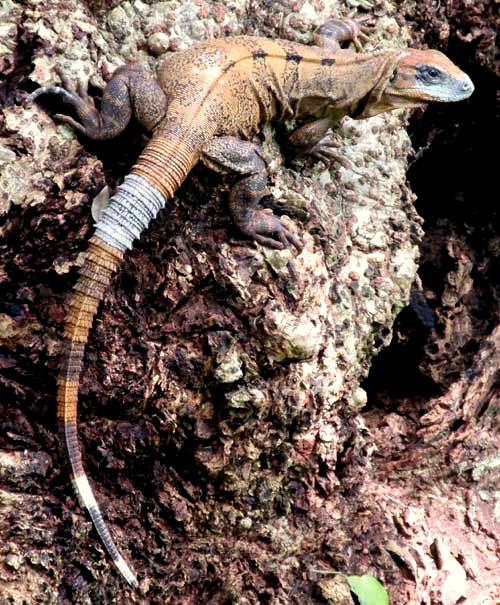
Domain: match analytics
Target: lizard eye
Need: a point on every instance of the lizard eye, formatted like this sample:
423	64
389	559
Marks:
393	77
429	73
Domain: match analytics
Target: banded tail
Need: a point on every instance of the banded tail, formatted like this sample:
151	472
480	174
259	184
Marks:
159	171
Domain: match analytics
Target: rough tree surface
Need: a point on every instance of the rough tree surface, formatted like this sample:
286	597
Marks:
245	440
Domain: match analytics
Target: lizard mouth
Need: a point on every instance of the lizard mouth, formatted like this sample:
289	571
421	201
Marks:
424	91
394	100
458	90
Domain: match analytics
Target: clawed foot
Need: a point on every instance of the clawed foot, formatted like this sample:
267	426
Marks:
357	33
265	228
359	30
326	151
335	31
71	94
78	98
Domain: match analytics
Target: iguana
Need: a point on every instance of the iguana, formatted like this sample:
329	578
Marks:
205	104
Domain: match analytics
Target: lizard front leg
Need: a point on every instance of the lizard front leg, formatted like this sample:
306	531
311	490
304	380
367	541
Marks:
232	154
315	139
132	90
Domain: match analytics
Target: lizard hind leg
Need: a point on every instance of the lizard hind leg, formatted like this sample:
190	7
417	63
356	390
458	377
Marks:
132	90
333	32
229	153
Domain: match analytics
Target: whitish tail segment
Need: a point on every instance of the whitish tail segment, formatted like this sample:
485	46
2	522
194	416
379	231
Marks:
158	173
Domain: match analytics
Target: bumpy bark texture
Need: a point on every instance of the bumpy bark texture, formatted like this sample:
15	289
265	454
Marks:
223	418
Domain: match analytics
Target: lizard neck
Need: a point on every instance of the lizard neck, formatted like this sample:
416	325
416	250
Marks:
342	81
371	103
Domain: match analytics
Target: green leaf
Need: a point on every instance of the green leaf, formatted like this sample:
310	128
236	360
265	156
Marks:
368	590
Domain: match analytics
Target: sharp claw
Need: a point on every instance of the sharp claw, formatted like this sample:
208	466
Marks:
265	228
357	44
65	81
287	238
292	270
60	117
295	241
268	242
325	151
82	89
317	155
282	236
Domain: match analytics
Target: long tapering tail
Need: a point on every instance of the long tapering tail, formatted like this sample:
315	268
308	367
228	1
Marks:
100	262
159	171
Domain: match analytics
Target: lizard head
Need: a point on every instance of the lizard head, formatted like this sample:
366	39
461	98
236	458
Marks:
419	76
428	75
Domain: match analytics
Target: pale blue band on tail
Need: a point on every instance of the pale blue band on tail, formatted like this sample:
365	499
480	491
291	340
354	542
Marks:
129	212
